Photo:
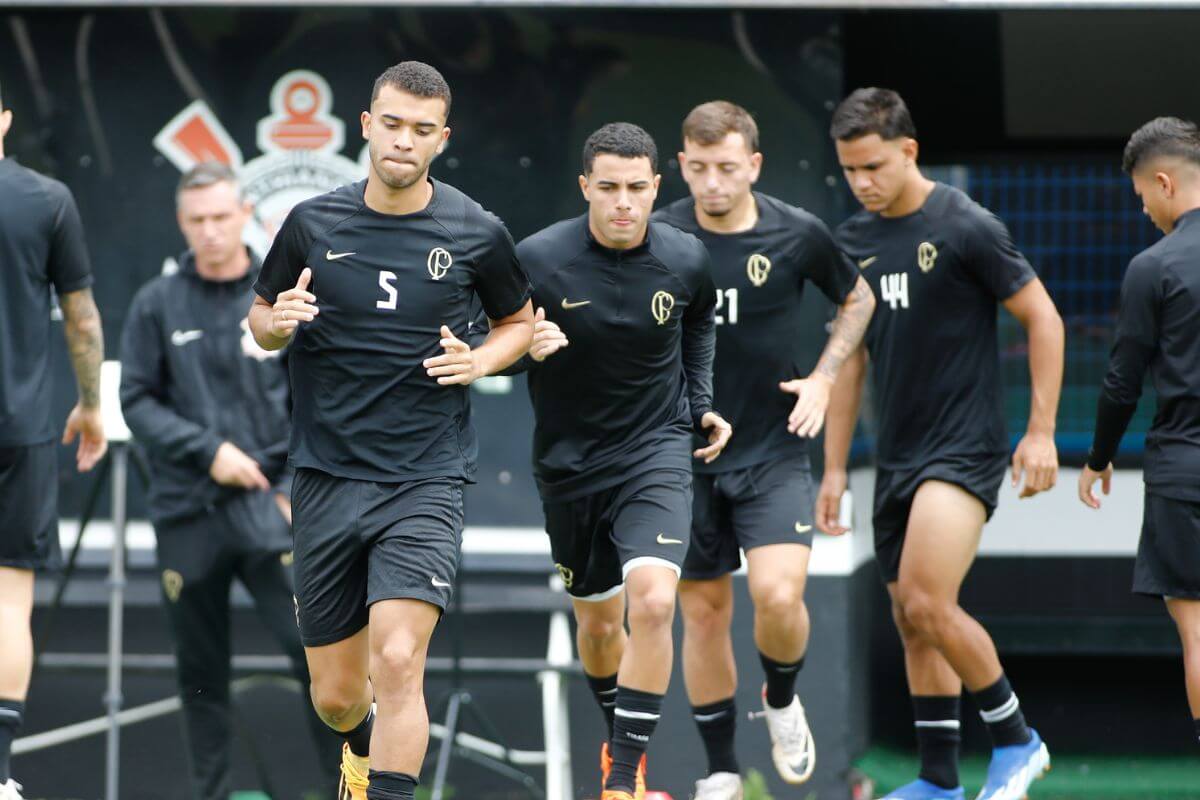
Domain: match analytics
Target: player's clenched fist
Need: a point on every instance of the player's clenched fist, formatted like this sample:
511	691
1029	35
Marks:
293	307
457	366
548	338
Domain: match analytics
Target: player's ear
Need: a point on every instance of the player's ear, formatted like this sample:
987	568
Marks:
445	140
5	121
910	148
365	119
756	160
583	187
1165	184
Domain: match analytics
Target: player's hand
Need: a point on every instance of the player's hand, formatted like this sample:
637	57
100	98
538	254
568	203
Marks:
88	425
1087	482
1037	457
812	400
232	467
458	366
719	432
829	503
293	307
285	506
548	338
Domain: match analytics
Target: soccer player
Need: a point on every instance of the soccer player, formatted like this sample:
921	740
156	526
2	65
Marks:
939	265
41	247
620	375
372	284
1158	329
211	408
759	496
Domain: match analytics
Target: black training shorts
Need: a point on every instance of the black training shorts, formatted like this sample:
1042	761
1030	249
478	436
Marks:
29	507
1168	557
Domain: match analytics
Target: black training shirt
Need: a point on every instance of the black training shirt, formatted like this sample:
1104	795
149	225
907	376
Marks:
363	406
760	276
624	396
937	275
41	245
1158	329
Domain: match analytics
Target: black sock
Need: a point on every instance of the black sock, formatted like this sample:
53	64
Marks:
781	681
938	737
12	713
636	717
391	786
1002	713
359	737
605	692
718	723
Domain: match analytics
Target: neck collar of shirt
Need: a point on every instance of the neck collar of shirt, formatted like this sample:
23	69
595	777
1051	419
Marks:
5	161
610	252
434	196
934	196
1187	218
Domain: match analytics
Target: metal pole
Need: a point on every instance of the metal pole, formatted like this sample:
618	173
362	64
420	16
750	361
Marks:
443	762
116	601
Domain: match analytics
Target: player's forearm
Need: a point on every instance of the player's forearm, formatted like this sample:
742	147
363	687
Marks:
85	342
1047	342
259	319
844	402
848	329
505	344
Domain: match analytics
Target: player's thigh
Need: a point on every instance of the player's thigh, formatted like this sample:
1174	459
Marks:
652	521
777	574
340	669
399	636
414	536
713	550
582	547
942	539
1186	613
29	507
329	557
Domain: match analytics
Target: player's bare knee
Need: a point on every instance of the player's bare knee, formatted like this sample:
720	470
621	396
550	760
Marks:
781	601
336	702
599	631
928	615
652	608
397	665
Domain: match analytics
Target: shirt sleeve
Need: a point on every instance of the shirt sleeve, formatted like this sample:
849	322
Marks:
500	282
826	265
993	259
285	260
700	344
1134	345
69	268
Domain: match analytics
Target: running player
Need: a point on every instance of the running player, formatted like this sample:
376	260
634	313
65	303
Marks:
41	247
369	283
759	496
939	265
1158	329
620	375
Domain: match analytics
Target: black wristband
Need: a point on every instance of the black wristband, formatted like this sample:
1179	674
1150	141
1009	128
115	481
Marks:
1112	419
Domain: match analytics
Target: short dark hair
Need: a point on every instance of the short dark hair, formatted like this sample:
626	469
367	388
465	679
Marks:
622	139
1164	136
414	77
206	174
709	123
872	110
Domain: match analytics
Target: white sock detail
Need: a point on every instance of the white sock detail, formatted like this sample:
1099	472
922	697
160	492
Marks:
1003	712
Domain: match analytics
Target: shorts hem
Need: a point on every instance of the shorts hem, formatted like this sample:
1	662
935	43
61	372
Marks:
331	638
601	596
32	565
649	561
707	574
1167	594
412	594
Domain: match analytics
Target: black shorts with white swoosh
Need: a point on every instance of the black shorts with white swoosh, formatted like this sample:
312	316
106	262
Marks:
595	540
360	542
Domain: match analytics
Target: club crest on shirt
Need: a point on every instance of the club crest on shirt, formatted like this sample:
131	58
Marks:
301	142
661	305
758	267
172	583
926	256
438	263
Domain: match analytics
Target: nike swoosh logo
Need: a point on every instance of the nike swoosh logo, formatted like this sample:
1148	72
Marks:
332	256
664	540
803	528
568	305
439	584
866	262
180	338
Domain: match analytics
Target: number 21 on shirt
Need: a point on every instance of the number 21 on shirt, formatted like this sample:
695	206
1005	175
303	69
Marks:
727	299
894	289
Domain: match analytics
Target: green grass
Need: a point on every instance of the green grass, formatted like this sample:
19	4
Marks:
1073	777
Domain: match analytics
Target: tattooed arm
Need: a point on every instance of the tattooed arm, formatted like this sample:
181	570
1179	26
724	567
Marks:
812	393
85	341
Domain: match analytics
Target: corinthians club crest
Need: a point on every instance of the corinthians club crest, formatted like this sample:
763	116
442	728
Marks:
301	142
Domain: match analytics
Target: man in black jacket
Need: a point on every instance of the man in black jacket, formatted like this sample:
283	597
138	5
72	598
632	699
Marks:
620	375
1157	333
211	408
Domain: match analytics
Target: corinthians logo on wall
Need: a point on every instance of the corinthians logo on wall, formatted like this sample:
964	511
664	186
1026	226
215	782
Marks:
300	140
